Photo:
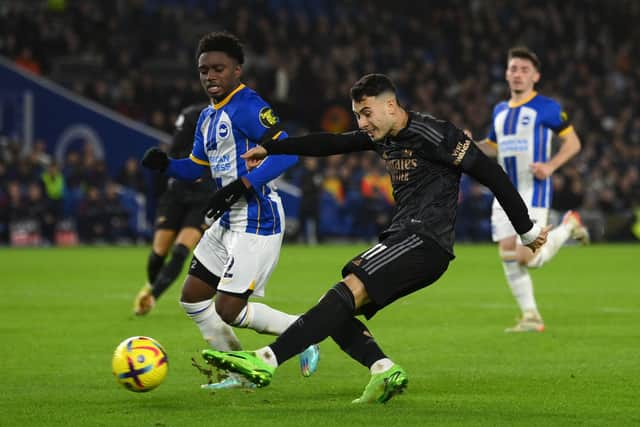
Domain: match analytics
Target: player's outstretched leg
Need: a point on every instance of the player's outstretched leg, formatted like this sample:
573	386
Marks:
246	363
384	385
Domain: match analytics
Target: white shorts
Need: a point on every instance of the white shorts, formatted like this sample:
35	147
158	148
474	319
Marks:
501	227
243	261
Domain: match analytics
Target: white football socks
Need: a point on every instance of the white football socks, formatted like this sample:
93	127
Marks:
268	356
215	331
520	284
555	240
264	319
380	366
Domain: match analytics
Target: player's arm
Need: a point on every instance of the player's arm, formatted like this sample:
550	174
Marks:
187	169
266	171
558	121
488	147
465	154
569	147
314	144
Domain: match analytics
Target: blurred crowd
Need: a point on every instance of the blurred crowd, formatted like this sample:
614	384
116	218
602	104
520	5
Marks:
137	57
43	203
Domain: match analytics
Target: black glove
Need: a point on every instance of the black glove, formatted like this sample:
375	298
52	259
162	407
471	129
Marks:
223	199
155	159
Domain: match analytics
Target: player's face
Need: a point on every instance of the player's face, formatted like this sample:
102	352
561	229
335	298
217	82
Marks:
373	116
219	74
521	75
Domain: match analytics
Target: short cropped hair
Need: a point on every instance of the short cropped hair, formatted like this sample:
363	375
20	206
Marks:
221	41
524	53
372	85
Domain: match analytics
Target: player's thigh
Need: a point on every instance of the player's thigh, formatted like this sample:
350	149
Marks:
194	216
195	289
252	259
211	251
396	267
189	237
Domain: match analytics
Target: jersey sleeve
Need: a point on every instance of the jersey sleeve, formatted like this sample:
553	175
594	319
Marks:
453	147
256	118
555	118
198	154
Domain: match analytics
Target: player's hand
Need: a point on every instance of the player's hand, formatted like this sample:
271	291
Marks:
223	199
254	156
252	164
541	170
155	159
540	240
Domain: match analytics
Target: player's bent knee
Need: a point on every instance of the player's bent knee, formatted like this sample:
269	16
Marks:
359	292
196	290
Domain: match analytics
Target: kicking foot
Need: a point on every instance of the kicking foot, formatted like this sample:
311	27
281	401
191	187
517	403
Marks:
384	386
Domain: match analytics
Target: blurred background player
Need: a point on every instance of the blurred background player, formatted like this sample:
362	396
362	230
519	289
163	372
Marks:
520	136
237	254
179	218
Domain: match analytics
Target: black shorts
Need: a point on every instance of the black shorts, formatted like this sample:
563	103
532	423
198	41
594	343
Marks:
399	265
177	210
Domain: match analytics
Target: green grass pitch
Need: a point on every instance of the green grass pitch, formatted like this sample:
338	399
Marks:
63	311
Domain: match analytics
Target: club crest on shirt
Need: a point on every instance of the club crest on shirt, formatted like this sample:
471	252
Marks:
224	130
267	117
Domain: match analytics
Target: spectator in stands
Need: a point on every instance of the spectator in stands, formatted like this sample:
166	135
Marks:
131	176
116	216
92	223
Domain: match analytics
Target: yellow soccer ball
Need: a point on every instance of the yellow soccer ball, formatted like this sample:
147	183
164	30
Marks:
140	364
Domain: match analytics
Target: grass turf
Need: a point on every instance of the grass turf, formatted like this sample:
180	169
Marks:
63	311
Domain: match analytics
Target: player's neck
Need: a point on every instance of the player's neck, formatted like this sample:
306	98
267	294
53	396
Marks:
401	122
521	97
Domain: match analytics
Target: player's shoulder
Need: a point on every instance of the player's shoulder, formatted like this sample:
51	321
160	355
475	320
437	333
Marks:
251	106
421	119
543	103
500	106
248	98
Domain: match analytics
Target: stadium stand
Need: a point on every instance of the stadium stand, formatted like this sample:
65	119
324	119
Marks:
137	58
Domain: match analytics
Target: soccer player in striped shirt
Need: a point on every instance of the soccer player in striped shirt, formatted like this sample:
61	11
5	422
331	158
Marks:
520	136
239	251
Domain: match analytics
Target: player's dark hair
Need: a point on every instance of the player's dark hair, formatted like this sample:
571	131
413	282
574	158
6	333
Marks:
372	85
221	41
524	53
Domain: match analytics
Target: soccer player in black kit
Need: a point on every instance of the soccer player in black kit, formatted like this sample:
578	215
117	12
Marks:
179	220
425	158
